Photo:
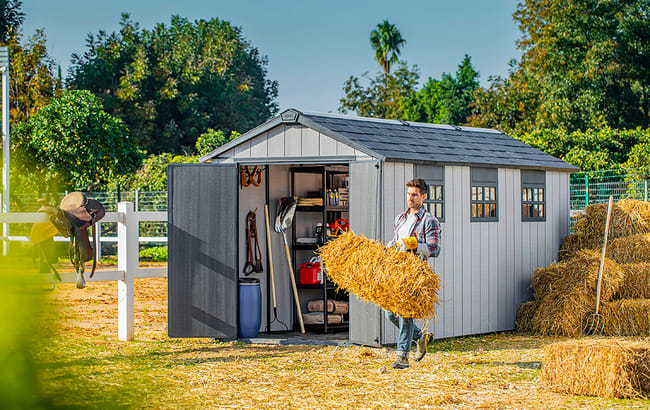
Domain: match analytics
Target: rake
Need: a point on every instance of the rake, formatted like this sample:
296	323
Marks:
596	322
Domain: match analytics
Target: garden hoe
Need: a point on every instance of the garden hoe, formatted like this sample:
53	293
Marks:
275	303
283	221
596	322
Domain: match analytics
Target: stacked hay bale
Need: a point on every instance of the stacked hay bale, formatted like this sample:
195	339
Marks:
565	292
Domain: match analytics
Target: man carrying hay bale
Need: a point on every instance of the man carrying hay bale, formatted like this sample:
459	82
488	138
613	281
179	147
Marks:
418	232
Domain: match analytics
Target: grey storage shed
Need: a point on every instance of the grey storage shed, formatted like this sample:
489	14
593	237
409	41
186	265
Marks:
503	208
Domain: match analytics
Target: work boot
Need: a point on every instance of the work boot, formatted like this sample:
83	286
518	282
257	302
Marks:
402	361
421	344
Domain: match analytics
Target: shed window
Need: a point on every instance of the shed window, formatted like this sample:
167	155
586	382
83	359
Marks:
483	195
434	175
533	196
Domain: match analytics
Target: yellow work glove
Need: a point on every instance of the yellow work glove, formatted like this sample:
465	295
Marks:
407	244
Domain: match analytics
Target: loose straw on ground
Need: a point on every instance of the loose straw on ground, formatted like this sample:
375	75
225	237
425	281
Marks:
393	280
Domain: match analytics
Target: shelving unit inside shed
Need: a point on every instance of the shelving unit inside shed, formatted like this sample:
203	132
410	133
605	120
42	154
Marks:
322	193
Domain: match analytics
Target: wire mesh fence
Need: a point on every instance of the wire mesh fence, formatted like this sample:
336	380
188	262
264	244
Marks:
584	188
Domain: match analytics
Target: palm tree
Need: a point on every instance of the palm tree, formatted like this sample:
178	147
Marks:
386	40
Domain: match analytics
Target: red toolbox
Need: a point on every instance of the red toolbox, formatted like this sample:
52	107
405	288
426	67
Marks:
309	273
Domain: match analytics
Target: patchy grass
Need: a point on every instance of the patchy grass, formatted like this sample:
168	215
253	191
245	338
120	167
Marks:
83	365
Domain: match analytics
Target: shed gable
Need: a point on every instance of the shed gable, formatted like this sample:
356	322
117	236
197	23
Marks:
289	141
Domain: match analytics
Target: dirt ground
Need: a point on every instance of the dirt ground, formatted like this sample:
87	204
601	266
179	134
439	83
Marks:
83	364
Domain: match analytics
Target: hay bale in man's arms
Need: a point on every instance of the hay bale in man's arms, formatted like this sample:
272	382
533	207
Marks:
393	280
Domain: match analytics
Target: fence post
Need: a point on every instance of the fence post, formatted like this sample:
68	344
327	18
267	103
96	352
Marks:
586	189
137	200
97	239
127	261
645	190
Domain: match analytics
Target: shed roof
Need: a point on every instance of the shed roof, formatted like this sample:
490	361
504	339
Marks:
404	141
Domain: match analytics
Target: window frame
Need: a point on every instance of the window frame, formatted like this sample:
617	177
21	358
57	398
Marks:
434	175
533	180
483	178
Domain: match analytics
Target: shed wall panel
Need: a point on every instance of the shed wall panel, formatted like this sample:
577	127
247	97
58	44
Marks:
310	141
259	146
275	141
202	276
292	141
395	175
365	318
328	146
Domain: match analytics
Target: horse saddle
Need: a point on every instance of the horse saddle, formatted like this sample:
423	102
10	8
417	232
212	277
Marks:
72	218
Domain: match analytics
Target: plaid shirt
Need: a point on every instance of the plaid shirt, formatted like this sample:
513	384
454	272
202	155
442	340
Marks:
426	229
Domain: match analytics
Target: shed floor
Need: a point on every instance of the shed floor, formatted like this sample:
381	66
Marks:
297	338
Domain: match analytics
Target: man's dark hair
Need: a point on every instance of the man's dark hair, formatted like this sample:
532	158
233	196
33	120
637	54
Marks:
419	183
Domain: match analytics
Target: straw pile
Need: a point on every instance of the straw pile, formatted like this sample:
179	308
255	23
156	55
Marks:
629	217
396	281
569	293
630	249
607	368
636	284
525	315
565	292
627	317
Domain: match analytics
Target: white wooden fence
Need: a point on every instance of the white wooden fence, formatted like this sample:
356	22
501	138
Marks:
128	267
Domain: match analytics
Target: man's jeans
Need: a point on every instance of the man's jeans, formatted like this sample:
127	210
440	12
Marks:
408	331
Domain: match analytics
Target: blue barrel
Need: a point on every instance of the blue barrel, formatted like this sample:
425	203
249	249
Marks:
250	307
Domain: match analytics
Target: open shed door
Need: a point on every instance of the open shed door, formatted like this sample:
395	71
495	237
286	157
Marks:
202	241
365	317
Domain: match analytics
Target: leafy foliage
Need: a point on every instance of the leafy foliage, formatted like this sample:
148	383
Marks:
604	148
444	101
172	83
71	143
211	139
152	176
154	254
386	40
585	63
31	81
11	18
383	97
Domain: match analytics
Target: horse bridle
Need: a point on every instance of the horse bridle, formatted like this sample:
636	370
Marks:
253	256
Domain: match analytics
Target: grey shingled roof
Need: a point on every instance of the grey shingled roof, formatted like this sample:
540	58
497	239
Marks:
393	140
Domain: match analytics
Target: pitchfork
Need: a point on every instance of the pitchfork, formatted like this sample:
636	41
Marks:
596	322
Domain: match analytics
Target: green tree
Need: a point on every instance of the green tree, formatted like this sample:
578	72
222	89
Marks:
211	139
152	175
445	101
384	95
602	148
387	41
172	83
32	82
71	143
11	18
585	63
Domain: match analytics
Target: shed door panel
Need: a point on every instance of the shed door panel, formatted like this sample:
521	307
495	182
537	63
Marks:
365	317
202	266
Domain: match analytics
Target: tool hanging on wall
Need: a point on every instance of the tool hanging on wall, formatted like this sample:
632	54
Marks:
251	176
254	256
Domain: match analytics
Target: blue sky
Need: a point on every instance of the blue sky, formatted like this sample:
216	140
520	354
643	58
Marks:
312	46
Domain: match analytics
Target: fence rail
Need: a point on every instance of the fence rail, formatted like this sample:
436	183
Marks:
128	269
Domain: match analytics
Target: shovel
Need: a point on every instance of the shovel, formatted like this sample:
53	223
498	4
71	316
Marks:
596	322
286	211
